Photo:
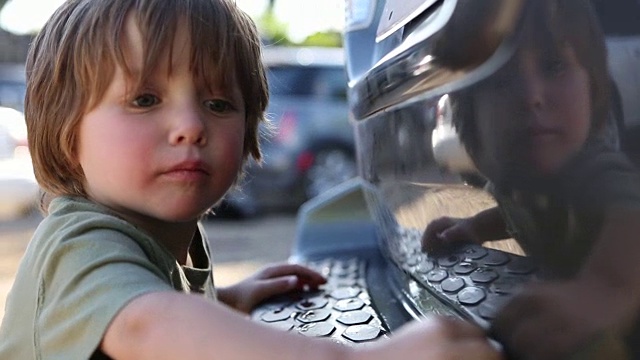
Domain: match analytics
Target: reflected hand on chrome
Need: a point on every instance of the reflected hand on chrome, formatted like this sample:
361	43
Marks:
445	233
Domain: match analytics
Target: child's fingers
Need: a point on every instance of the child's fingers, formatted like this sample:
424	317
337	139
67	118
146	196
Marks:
275	286
455	235
432	238
304	274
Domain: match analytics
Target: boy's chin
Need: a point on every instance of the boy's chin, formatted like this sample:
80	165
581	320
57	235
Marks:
546	165
175	215
187	217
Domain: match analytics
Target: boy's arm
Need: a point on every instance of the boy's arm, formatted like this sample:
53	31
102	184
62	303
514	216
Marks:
613	261
490	225
591	314
605	180
599	305
444	233
168	325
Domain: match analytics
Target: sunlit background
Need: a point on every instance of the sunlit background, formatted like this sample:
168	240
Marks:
27	16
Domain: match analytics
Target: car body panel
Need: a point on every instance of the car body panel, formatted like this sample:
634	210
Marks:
378	217
394	89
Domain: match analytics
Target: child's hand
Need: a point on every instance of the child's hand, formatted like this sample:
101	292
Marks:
267	282
445	233
555	320
433	338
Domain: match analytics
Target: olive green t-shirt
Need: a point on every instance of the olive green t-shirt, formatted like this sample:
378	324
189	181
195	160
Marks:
84	265
557	220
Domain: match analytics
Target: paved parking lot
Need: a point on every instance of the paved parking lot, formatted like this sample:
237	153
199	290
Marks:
239	247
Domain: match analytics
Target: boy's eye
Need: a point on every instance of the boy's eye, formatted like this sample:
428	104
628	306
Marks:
219	106
146	100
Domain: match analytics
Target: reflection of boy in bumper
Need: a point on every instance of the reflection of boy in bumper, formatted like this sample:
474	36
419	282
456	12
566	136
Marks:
582	233
572	202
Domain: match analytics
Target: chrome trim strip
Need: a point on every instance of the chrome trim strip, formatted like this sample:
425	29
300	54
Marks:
397	13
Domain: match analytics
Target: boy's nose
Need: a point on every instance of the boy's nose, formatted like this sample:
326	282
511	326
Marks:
188	128
532	88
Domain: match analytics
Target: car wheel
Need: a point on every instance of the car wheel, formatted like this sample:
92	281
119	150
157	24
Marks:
330	168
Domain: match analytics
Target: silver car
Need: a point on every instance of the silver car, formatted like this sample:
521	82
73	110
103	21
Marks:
308	146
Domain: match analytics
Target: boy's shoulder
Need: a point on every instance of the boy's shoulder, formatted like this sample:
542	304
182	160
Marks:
78	223
81	257
600	176
65	206
70	216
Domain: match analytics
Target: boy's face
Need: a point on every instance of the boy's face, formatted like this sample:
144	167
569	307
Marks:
535	113
167	151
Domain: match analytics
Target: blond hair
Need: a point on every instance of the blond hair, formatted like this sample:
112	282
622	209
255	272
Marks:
73	59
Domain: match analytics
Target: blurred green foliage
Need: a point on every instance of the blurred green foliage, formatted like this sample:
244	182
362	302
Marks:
273	30
330	38
276	32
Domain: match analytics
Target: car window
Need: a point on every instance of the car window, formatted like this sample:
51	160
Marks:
618	17
308	81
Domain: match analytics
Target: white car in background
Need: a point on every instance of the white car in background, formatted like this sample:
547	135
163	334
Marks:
448	150
18	187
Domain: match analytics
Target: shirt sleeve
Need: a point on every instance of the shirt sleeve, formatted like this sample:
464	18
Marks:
600	178
86	281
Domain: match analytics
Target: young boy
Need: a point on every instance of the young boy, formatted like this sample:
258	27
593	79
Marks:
535	129
140	116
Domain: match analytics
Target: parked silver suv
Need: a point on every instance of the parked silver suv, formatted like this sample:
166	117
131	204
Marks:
308	146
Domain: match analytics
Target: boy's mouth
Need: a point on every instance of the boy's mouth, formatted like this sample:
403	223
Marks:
543	133
189	166
538	128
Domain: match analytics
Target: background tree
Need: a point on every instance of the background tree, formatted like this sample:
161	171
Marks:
327	38
273	30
